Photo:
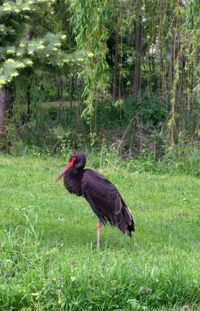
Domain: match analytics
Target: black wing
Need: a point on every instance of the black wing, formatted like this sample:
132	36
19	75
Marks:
106	201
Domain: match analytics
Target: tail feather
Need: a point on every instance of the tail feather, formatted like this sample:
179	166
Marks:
126	220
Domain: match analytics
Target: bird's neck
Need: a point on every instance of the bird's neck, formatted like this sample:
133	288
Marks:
73	180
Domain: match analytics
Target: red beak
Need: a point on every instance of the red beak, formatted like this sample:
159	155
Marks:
69	165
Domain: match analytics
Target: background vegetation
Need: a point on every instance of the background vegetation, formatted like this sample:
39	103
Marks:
76	75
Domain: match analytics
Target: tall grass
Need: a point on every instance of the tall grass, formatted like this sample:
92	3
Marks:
48	258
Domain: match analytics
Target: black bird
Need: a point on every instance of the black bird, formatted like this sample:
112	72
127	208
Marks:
103	197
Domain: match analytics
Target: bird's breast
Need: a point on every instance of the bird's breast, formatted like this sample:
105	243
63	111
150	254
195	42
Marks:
73	183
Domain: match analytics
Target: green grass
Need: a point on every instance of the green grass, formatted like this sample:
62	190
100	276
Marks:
48	257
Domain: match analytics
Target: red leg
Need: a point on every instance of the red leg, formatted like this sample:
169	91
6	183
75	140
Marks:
98	234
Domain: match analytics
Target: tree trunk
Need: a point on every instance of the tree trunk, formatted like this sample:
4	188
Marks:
29	101
138	45
30	36
5	99
59	83
173	74
71	90
115	84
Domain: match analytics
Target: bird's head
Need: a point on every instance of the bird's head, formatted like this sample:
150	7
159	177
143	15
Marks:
77	161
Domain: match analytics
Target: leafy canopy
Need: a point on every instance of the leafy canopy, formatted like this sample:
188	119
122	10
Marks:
26	38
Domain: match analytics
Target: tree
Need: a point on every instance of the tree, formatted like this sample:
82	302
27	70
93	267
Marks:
26	41
91	22
138	46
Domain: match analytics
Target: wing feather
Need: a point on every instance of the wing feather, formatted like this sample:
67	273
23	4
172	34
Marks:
106	201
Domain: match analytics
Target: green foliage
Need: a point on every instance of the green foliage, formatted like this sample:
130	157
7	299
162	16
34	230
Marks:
90	20
72	51
55	127
21	49
51	129
48	255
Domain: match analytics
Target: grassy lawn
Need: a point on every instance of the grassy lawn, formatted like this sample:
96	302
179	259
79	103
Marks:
48	257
